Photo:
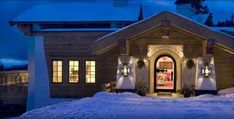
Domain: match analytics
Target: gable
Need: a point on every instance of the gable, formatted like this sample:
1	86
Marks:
110	40
191	43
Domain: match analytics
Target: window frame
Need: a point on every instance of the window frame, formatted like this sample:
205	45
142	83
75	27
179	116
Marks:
95	81
79	75
52	71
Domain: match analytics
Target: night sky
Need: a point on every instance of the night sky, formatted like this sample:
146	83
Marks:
14	45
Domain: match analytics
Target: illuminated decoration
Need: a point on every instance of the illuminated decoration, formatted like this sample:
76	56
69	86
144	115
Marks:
125	70
206	71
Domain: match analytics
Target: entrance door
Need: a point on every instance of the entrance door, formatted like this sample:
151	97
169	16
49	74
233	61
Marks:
165	74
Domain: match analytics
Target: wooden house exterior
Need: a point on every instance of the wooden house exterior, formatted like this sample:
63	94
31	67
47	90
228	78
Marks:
175	51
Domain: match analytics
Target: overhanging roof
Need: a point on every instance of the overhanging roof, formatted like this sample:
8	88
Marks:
79	12
110	40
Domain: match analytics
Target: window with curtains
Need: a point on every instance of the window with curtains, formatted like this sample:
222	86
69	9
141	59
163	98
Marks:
57	71
73	71
90	71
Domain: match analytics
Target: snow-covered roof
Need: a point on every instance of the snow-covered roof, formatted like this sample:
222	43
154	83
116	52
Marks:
224	28
200	18
80	29
13	64
98	11
106	42
80	11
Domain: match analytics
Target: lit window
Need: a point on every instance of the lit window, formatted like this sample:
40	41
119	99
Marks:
73	71
90	71
57	71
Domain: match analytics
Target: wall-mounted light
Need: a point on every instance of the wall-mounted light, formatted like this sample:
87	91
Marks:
125	70
206	70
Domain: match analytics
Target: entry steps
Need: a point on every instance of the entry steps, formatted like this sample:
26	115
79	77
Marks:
165	95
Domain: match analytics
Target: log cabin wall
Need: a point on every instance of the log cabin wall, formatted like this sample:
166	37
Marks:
67	46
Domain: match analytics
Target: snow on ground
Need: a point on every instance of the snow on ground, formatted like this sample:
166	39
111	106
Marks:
131	106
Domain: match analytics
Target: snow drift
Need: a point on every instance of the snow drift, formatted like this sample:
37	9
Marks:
131	106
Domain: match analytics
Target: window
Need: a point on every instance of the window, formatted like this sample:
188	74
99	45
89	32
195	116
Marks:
73	71
57	71
90	71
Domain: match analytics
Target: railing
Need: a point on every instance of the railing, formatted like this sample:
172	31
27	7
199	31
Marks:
13	87
109	87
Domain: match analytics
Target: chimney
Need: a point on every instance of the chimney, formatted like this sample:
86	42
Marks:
120	3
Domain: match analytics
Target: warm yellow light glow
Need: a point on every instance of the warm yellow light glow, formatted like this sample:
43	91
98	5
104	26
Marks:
90	71
57	71
73	71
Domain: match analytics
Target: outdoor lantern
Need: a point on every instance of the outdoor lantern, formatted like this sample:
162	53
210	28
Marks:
206	71
125	70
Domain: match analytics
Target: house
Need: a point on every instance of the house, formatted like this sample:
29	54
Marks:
13	81
13	87
75	48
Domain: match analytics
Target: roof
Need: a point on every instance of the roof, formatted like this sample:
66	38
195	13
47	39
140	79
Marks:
224	28
80	29
97	12
13	64
176	20
79	12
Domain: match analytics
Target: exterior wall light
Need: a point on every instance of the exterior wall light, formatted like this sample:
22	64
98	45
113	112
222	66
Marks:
125	70
206	71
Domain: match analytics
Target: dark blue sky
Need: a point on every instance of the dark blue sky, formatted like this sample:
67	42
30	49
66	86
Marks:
13	44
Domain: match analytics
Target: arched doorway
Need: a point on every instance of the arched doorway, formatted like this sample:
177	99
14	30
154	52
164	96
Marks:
165	74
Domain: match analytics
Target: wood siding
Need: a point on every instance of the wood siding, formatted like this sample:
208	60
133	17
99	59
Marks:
192	46
67	46
107	66
224	68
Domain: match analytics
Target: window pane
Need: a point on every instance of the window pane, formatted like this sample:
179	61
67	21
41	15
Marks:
60	63
73	71
57	71
55	79
90	71
59	79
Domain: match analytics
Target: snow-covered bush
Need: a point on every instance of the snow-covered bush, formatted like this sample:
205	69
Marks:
229	92
141	87
188	90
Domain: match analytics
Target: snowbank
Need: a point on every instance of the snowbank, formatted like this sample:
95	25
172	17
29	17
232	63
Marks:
229	92
131	106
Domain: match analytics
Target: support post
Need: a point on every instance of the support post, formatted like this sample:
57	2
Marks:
38	85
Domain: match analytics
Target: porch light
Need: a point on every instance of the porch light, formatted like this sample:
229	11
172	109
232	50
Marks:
206	71
125	70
